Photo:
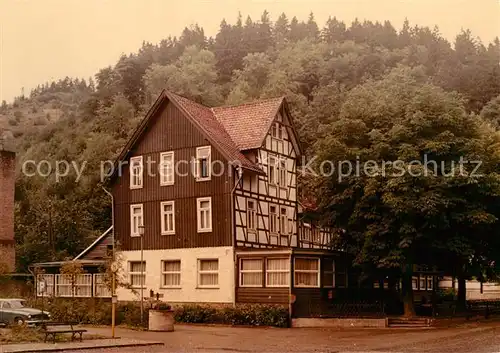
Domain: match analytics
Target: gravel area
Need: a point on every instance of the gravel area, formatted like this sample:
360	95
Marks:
477	338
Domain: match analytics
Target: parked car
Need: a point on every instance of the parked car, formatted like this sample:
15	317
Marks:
14	312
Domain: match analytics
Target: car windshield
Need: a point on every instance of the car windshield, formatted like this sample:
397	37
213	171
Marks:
16	304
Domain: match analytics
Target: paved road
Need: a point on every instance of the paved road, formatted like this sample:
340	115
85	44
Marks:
477	338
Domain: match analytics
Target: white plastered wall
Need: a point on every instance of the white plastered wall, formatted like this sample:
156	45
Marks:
189	291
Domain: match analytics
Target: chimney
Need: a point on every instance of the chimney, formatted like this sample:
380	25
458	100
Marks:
7	180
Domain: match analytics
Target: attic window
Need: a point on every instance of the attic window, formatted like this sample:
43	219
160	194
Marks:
277	131
203	163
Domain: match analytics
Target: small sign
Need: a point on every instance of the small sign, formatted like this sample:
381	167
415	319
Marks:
114	299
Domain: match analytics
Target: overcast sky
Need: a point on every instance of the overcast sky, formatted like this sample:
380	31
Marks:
43	40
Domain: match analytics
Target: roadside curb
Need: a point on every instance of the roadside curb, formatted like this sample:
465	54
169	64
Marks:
44	347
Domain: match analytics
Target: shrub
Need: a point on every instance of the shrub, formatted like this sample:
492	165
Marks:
98	311
247	314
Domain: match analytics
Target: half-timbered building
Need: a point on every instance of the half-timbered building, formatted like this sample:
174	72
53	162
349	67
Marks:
211	194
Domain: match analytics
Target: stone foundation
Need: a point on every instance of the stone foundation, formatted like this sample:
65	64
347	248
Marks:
314	322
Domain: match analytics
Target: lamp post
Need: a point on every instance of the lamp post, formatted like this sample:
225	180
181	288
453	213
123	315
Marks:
141	235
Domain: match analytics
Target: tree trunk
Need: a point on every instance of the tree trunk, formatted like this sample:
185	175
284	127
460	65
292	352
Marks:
461	297
407	291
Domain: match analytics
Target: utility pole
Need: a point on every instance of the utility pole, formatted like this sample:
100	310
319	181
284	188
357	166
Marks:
141	234
114	268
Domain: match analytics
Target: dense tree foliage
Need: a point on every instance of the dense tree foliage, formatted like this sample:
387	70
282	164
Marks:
362	90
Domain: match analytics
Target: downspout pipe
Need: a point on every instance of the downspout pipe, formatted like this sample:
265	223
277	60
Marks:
233	228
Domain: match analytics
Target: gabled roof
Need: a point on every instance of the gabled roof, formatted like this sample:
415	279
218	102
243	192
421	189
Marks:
248	124
204	118
91	246
231	129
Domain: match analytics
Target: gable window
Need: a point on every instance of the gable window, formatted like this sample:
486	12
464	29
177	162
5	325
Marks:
329	273
277	272
171	274
166	168
208	273
273	219
283	221
251	272
277	131
136	219
283	173
136	172
203	163
204	211
272	172
137	274
414	282
251	215
306	272
167	209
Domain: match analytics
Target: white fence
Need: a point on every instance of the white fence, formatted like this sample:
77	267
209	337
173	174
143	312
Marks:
81	286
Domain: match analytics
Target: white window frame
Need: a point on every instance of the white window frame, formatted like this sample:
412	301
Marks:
101	289
130	273
167	178
163	273
242	272
277	131
283	173
274	219
198	214
278	271
163	214
132	207
199	155
283	221
140	174
272	163
430	283
83	285
49	285
295	271
414	282
63	282
200	272
252	215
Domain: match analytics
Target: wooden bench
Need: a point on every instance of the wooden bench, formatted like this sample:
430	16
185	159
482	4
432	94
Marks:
53	328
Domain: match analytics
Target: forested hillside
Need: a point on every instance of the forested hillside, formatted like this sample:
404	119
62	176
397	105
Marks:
317	66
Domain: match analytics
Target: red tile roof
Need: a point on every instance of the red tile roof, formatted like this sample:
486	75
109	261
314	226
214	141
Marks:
248	124
206	120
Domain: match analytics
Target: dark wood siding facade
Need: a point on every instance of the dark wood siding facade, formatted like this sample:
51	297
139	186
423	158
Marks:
168	131
100	250
317	301
262	295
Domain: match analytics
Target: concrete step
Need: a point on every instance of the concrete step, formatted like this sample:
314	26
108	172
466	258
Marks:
409	322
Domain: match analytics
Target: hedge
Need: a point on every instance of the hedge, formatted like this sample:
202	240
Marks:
98	312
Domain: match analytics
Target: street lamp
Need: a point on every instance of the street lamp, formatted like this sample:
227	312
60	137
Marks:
141	235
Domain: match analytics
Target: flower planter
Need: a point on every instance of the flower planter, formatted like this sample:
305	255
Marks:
161	320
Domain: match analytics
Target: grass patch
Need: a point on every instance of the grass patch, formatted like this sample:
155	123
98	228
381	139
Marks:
21	334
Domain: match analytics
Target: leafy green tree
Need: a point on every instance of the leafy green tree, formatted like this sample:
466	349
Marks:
400	214
193	75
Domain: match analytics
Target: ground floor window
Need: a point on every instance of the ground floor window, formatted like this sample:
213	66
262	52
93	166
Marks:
47	288
208	273
101	288
306	272
329	273
63	286
137	274
251	272
171	274
278	272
